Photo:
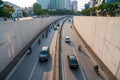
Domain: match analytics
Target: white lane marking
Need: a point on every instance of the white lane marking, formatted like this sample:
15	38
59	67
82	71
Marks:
83	74
62	64
33	70
10	74
81	70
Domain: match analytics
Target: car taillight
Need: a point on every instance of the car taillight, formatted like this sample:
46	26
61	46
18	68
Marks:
70	66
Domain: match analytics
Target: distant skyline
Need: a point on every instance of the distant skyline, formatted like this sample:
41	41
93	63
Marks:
29	3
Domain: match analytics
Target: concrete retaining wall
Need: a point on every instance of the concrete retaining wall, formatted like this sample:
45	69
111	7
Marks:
16	35
102	34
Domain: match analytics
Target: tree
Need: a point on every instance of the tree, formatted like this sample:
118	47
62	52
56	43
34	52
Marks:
24	13
37	9
1	2
6	10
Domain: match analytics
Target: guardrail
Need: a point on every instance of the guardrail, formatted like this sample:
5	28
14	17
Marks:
11	65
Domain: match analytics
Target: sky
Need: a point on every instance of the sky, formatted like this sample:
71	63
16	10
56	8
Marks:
29	3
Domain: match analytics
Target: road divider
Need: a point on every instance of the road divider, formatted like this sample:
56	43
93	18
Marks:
56	63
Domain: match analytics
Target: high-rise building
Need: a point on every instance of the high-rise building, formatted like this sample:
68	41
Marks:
92	3
57	4
110	1
74	5
99	2
68	4
53	4
44	3
87	6
61	4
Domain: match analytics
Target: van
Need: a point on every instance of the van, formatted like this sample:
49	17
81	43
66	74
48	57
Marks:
44	54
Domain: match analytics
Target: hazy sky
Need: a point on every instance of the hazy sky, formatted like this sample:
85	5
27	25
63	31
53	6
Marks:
28	3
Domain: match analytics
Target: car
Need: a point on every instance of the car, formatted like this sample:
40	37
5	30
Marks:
44	54
72	61
58	24
55	28
67	39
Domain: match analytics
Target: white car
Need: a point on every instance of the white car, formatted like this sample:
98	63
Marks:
67	39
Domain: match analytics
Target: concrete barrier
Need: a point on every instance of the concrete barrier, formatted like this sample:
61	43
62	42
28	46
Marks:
102	36
14	36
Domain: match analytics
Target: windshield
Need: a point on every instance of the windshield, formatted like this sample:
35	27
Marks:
44	53
73	61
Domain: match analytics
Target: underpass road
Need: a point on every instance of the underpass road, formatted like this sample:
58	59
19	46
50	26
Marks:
30	68
85	70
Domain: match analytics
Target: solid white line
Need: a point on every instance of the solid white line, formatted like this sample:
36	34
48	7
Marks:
83	74
33	70
62	64
10	74
80	66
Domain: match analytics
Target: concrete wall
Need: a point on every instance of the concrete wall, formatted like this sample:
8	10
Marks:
102	34
16	35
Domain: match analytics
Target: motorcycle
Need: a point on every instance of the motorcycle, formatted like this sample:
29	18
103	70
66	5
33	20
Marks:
96	68
29	51
79	48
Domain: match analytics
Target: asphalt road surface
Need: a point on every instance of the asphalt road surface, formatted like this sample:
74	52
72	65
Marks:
29	68
70	48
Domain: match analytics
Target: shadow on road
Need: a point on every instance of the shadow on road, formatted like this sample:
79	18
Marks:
77	74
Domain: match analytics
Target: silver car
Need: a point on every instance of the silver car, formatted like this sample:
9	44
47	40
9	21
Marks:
67	39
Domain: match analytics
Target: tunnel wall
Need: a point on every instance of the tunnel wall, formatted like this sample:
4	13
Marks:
102	34
16	35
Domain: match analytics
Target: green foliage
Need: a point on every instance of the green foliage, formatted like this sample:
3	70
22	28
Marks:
118	1
24	13
6	11
37	9
1	2
45	12
58	12
109	8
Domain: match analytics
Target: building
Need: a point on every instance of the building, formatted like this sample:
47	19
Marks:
68	4
53	4
57	4
74	5
28	11
92	3
99	2
87	6
110	1
61	4
44	3
18	11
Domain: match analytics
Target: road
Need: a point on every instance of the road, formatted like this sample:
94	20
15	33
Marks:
70	48
29	68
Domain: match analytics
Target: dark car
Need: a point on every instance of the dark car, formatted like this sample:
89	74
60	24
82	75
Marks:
58	24
72	61
44	54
